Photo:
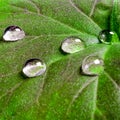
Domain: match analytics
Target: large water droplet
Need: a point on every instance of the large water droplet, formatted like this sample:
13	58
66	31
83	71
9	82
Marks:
92	65
34	67
72	45
13	33
108	37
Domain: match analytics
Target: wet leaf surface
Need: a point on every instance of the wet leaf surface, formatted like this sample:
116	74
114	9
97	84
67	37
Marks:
63	92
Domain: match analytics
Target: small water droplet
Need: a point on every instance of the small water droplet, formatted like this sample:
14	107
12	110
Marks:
72	45
13	33
92	65
34	67
108	37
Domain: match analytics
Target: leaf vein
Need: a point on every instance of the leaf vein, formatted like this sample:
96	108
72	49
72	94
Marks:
39	92
11	90
79	92
19	46
32	3
93	8
50	18
95	100
80	11
112	80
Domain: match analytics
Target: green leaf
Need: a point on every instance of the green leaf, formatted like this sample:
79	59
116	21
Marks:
114	16
114	21
63	92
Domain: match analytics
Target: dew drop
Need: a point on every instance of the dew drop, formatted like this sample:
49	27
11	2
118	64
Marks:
108	37
92	65
34	67
72	45
13	33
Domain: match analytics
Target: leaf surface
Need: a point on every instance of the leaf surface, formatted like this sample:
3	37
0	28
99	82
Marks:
63	92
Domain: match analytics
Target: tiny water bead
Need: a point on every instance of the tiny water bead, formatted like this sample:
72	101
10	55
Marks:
92	65
34	67
72	45
108	37
13	33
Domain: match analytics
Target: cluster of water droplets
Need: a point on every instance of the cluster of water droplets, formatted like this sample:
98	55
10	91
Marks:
32	67
91	65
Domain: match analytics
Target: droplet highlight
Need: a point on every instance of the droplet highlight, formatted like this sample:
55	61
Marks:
72	45
13	33
108	37
34	67
92	65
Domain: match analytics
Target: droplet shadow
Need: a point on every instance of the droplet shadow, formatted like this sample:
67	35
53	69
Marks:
89	75
1	39
62	52
24	77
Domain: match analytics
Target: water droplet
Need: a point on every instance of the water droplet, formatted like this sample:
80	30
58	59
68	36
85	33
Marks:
108	37
72	45
34	67
92	65
13	33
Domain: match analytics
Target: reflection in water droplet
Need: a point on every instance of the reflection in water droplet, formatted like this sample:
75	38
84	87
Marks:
13	33
92	65
108	37
72	45
34	67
